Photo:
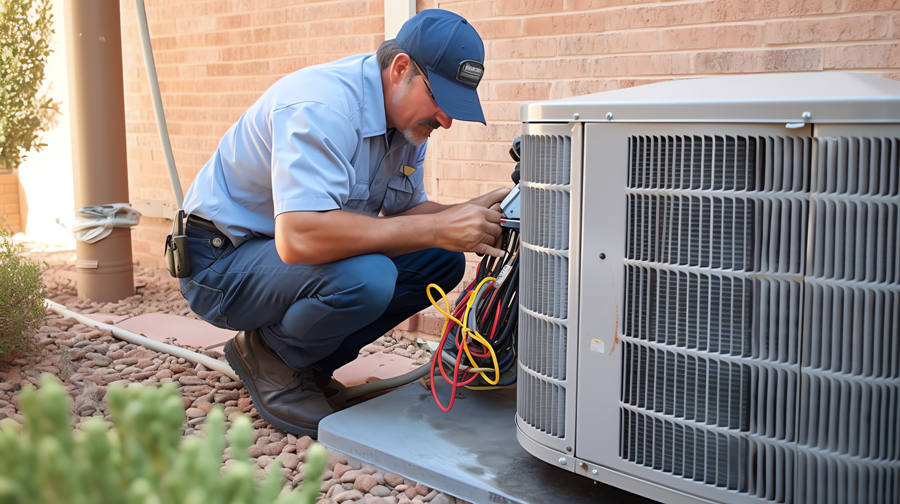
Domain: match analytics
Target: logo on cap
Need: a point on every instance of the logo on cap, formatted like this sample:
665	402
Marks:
470	73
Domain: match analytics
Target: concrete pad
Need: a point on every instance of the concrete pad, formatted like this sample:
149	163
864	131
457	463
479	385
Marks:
379	365
471	452
185	331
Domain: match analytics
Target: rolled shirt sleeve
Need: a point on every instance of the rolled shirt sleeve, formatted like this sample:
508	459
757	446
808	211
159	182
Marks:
312	152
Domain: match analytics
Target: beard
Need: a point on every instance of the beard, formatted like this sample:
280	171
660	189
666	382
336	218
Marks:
418	140
412	138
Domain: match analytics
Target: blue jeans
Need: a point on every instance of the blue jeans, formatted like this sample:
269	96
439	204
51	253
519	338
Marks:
310	314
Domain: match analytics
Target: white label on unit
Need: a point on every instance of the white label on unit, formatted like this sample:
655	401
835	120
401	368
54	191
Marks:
598	346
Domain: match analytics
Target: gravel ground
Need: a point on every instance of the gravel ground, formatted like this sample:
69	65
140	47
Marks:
88	361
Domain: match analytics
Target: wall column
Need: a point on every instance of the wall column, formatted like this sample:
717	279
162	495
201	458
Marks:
397	12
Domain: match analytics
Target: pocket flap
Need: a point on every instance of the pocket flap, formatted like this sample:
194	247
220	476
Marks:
400	182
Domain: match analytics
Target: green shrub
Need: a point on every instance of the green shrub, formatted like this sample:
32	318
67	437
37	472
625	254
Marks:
26	27
21	297
140	461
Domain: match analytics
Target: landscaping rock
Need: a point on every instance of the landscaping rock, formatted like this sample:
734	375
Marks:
340	469
442	499
380	491
365	482
195	413
274	448
393	479
290	460
347	495
350	476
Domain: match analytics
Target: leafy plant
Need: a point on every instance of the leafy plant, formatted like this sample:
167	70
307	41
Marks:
26	27
140	461
21	297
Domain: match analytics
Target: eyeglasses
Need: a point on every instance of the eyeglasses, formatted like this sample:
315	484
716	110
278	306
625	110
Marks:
424	80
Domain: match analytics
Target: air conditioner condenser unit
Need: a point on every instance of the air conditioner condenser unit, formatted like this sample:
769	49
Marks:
710	288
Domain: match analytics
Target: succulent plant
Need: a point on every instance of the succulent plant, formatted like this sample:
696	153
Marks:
142	459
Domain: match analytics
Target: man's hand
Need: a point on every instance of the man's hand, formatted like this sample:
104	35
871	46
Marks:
469	228
492	202
492	199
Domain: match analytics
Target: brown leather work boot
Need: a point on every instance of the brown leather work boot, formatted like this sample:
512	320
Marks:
334	390
284	397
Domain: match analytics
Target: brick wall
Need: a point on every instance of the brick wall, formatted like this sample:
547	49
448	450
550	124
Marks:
9	203
548	49
214	58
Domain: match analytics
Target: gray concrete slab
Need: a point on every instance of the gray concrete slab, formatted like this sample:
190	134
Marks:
470	452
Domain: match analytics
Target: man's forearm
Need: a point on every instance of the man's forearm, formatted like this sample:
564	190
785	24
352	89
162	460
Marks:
322	237
426	208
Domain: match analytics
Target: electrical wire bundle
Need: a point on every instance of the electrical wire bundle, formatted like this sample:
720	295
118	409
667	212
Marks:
479	336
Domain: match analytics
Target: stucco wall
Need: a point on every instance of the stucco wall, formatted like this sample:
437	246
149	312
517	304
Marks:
45	177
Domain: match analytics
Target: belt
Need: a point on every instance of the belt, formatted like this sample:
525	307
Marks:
201	223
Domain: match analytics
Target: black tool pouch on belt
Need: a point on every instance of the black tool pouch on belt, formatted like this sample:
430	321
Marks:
176	249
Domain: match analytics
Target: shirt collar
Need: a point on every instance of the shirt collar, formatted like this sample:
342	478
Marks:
374	121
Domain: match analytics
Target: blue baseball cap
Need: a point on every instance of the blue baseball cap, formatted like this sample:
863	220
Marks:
451	52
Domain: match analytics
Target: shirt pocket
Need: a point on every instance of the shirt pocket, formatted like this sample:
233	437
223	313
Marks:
399	192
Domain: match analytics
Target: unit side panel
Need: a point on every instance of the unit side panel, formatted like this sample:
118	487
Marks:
691	289
550	202
602	280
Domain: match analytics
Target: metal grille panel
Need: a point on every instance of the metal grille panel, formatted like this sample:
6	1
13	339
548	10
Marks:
542	404
736	359
707	328
544	282
849	425
545	352
544	217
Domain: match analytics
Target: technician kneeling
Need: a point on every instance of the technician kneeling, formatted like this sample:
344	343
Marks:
309	230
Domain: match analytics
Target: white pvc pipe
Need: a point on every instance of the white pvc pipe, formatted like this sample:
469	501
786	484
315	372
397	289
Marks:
155	96
137	339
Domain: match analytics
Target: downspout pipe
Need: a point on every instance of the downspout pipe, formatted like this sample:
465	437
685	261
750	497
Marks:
99	158
161	127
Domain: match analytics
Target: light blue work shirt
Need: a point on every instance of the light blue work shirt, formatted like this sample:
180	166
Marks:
316	140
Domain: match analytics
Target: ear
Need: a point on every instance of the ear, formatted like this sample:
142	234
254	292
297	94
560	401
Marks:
399	68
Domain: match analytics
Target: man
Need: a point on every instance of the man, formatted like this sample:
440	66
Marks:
309	230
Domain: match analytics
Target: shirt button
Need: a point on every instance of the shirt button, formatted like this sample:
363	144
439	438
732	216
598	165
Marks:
217	242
